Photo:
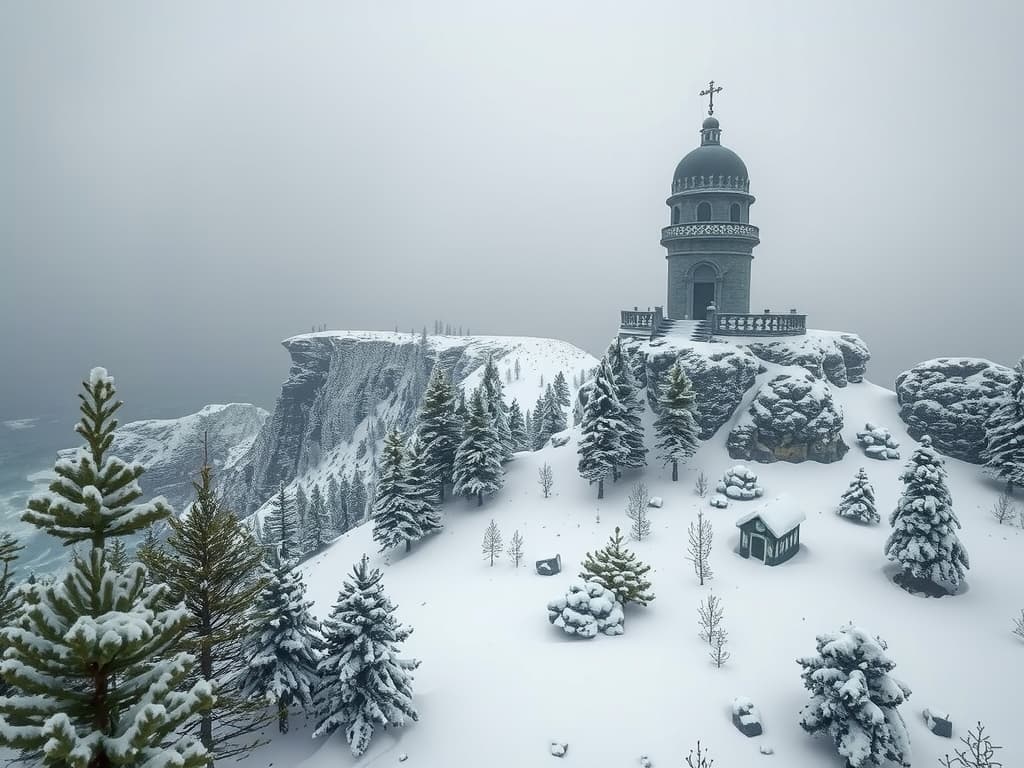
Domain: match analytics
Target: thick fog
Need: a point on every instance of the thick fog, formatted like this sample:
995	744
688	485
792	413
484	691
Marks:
185	184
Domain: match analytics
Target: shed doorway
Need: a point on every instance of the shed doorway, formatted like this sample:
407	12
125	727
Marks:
703	294
757	547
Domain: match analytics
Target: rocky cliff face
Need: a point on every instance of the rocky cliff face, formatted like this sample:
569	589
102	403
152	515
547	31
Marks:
949	399
346	389
171	450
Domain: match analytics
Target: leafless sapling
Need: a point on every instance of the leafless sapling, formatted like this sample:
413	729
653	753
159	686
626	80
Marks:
1018	628
980	752
709	617
515	549
1004	511
546	479
702	485
700	547
699	758
636	510
718	652
492	546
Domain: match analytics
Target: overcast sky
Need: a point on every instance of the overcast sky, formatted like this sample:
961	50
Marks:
185	184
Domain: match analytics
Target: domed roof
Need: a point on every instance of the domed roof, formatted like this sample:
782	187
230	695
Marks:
710	122
710	160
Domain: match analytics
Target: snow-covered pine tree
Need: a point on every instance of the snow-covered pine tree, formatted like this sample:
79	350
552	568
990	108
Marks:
492	546
337	491
601	429
282	651
395	519
633	453
554	414
517	427
636	510
478	460
363	682
699	551
439	429
494	399
424	492
858	502
212	565
518	370
561	389
676	425
854	699
923	540
1004	434
618	570
117	556
10	601
530	435
357	499
281	527
318	522
539	433
75	636
302	515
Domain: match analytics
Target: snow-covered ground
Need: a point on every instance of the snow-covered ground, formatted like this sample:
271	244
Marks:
498	683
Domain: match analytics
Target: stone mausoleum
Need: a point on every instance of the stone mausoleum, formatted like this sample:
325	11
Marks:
709	246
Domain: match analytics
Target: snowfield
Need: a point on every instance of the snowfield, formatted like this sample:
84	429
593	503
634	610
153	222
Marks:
498	684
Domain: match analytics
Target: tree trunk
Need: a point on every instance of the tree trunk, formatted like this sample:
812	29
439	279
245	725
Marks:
675	470
100	717
600	488
206	720
282	717
479	498
408	544
440	494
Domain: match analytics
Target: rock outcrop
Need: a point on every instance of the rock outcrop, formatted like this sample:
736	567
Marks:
793	418
838	357
949	399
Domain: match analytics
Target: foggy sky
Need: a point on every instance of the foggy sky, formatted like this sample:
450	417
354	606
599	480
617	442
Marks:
185	184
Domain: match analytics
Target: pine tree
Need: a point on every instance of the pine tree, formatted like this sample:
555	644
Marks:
337	492
302	515
423	491
494	399
492	546
515	549
539	434
531	437
561	389
281	653
318	522
636	510
213	565
633	454
854	699
923	540
676	425
117	556
517	427
10	601
478	459
357	499
553	415
858	502
395	519
75	636
1004	434
700	534
617	569
517	369
363	681
281	527
601	428
439	429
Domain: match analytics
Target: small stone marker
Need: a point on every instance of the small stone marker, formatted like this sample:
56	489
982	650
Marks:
718	501
550	567
656	501
940	726
766	750
403	757
645	761
558	749
746	717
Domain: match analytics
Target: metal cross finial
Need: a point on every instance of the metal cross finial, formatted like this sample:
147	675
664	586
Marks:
710	92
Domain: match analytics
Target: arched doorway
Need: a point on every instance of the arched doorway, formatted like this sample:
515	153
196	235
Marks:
703	291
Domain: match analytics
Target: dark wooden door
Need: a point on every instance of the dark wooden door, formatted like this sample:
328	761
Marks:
703	294
757	547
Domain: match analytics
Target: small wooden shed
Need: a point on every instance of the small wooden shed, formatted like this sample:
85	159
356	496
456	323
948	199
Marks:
771	531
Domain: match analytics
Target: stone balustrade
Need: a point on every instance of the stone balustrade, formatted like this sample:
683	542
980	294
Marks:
730	183
767	324
642	321
710	229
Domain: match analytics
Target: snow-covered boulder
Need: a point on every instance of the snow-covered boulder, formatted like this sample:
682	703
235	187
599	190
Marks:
837	357
587	608
557	441
559	748
739	483
656	501
719	501
949	400
793	418
746	717
940	726
549	566
878	443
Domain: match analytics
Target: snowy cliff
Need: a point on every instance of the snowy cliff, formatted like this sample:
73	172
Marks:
345	389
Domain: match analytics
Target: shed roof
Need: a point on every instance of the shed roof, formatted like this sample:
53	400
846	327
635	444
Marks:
779	514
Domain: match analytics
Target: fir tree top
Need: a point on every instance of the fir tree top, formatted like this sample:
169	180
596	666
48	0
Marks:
617	569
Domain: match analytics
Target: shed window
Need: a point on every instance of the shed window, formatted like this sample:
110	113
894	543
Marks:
704	211
734	212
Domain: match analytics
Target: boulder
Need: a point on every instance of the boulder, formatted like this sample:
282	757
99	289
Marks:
878	443
746	717
838	358
557	441
949	399
550	567
656	501
559	748
940	726
718	501
587	609
793	418
739	483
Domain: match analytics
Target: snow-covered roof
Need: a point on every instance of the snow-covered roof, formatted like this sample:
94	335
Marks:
779	514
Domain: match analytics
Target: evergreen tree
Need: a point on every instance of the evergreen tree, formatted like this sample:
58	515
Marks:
676	425
213	567
1004	434
337	492
318	522
561	389
395	510
73	638
517	427
461	409
478	459
617	569
281	527
439	429
633	453
530	435
492	546
424	492
539	431
363	682
357	499
858	502
601	428
518	369
302	515
494	398
854	699
924	540
281	653
117	556
10	600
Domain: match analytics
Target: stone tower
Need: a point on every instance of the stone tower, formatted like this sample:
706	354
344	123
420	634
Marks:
710	241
